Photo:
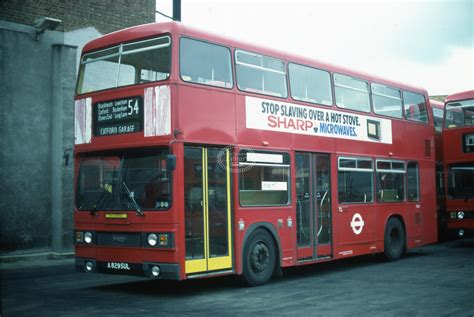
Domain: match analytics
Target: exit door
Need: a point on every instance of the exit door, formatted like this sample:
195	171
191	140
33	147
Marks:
313	206
207	209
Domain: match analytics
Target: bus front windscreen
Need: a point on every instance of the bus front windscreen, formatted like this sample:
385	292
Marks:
459	114
124	182
125	64
461	181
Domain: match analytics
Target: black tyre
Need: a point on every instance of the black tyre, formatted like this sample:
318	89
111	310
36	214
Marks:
259	258
394	239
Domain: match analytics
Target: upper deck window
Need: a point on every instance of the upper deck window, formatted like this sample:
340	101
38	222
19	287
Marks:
310	84
205	63
351	93
125	64
387	101
260	74
438	119
415	107
459	114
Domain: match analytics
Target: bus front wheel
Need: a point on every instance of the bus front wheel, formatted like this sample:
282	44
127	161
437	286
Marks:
259	258
394	239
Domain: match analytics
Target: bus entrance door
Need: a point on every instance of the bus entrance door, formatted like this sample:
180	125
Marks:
207	209
313	206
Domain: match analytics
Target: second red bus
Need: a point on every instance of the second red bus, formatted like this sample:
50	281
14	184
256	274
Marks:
458	156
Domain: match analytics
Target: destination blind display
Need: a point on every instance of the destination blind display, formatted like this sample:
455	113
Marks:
118	116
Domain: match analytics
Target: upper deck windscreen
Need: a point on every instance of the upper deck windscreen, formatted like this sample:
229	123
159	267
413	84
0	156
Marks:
125	64
459	114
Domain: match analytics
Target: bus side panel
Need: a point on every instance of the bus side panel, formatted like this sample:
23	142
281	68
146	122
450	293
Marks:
421	218
256	137
206	115
428	202
276	224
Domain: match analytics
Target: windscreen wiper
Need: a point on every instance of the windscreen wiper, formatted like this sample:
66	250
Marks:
99	200
132	199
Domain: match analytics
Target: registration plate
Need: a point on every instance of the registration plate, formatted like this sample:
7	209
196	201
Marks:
118	266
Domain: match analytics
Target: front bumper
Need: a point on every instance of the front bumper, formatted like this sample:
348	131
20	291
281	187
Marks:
456	224
167	271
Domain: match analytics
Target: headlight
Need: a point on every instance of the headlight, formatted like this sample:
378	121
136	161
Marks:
88	237
155	270
152	239
160	240
89	266
460	215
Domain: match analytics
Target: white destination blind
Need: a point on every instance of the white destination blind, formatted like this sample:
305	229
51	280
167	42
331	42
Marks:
118	116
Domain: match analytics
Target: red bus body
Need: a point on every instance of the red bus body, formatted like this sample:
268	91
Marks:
204	119
458	151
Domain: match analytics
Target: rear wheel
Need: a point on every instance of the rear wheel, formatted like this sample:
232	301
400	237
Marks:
394	240
259	258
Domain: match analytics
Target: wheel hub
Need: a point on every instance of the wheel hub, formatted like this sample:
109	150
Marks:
394	240
260	257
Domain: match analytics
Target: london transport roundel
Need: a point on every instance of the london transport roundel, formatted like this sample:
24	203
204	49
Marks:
357	223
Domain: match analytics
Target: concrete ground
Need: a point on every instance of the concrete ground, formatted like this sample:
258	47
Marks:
432	281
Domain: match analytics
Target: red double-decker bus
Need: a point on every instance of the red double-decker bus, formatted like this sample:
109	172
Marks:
458	152
197	155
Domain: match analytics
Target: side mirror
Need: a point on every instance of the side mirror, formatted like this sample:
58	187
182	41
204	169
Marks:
170	162
66	156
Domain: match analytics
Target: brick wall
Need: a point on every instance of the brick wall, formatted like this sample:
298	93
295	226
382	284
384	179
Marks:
105	15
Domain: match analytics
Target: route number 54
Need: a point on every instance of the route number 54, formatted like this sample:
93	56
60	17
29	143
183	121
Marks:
132	107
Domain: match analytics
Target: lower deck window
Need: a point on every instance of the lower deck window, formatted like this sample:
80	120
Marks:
264	179
413	182
390	181
124	181
355	180
461	181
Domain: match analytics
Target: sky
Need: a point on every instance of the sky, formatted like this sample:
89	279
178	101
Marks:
425	43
